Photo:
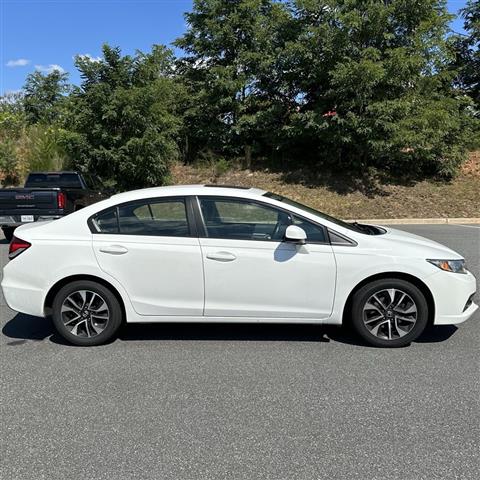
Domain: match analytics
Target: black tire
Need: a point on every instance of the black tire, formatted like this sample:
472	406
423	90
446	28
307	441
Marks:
8	232
109	328
365	293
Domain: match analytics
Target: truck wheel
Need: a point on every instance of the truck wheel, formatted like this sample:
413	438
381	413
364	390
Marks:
8	232
86	313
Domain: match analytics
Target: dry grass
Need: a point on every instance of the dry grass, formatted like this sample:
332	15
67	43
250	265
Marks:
348	198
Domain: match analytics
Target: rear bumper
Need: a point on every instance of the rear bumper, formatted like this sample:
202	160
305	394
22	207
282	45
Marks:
25	300
23	288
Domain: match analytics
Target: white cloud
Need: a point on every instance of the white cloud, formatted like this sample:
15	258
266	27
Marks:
87	56
20	62
50	68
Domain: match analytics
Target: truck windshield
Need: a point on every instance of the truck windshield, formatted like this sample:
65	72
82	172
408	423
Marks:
51	180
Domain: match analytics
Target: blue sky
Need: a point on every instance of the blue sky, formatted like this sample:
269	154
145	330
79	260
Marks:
44	34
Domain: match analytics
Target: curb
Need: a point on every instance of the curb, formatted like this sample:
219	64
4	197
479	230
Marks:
418	221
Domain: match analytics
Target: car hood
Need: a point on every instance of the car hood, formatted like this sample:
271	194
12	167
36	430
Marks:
422	246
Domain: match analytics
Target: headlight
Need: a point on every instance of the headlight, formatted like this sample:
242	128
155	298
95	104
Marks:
454	266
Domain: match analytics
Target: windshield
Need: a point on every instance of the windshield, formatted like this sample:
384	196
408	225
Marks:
311	210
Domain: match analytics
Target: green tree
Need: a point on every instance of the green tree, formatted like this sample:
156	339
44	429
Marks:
43	149
376	85
43	95
233	70
24	147
468	52
339	83
12	127
12	103
124	123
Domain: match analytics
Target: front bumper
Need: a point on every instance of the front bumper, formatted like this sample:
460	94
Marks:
452	294
456	319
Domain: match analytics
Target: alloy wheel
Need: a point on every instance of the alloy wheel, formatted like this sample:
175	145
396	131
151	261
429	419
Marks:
85	313
390	314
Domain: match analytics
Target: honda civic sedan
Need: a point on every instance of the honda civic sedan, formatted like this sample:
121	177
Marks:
229	254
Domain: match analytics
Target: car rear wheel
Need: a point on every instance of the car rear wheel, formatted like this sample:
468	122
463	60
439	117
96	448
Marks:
389	312
8	232
86	313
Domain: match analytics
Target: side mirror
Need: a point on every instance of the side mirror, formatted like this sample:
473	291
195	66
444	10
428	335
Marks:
295	234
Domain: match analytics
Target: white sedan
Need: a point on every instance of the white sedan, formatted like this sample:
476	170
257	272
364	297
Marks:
227	254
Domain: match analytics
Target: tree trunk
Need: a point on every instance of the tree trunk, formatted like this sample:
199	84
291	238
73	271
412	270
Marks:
186	152
248	157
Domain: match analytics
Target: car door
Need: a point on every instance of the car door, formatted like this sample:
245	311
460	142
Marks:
251	272
149	247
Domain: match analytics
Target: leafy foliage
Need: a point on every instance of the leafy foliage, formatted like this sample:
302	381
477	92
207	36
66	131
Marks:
123	121
25	148
468	52
329	85
343	84
43	96
233	70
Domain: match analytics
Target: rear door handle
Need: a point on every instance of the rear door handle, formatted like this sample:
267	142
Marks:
114	249
222	256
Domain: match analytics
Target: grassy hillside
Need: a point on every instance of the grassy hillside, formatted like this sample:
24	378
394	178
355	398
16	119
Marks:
352	199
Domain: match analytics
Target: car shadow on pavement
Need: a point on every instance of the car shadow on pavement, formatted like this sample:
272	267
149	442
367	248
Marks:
26	327
22	328
439	333
224	331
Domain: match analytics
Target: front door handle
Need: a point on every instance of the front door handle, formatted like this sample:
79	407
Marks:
114	249
222	256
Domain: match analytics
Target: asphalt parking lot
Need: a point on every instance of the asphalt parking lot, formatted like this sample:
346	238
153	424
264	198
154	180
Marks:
242	401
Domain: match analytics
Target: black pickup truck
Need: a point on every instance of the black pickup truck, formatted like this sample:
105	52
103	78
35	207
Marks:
48	196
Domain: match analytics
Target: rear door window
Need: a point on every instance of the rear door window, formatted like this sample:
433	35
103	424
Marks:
153	217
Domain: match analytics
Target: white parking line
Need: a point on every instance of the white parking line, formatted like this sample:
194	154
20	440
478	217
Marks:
466	226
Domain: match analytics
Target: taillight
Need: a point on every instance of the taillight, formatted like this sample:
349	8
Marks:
17	246
61	200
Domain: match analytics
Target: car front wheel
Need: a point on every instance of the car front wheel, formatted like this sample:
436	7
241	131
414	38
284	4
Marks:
389	312
86	313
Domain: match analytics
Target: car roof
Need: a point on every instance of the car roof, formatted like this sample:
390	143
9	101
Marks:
221	190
